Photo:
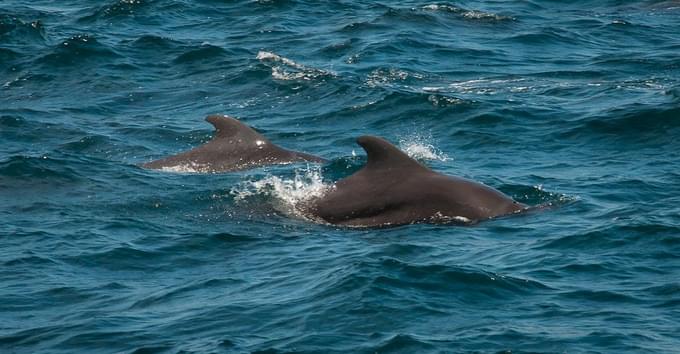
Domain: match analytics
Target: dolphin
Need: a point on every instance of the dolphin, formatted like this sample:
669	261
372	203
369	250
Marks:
234	146
394	189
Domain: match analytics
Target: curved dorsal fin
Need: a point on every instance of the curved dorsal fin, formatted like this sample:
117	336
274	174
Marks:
382	154
227	127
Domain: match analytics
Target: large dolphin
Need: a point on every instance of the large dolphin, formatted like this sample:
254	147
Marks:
394	189
234	146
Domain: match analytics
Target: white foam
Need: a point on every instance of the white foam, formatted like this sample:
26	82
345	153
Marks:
419	148
484	86
442	101
479	15
468	14
287	70
437	7
386	77
262	55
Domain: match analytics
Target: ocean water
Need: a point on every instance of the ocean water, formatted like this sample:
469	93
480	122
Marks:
574	104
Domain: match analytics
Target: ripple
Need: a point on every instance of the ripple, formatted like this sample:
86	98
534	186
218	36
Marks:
167	296
118	9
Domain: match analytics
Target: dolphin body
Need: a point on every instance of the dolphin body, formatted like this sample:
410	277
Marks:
234	146
394	189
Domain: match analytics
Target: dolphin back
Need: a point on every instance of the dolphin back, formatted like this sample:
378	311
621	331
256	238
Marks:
234	146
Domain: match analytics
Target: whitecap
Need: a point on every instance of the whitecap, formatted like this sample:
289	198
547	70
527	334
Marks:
286	69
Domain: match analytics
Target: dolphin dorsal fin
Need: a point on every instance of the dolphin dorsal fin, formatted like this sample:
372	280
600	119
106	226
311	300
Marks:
383	155
228	127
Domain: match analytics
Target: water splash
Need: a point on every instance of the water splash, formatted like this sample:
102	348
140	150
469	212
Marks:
288	195
420	147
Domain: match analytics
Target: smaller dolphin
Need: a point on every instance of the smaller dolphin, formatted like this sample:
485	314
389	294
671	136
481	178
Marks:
235	146
394	189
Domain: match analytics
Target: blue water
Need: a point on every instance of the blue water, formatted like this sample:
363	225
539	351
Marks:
571	104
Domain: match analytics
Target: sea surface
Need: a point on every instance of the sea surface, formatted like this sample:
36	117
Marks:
575	105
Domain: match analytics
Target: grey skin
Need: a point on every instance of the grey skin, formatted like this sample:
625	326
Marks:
234	146
394	189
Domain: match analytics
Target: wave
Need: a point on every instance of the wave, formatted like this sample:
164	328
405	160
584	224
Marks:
204	53
154	43
14	30
121	258
12	121
166	297
32	170
31	261
78	49
427	15
636	61
398	98
26	78
559	37
403	343
629	123
473	281
87	143
618	236
600	296
275	3
338	48
360	27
